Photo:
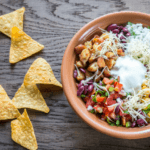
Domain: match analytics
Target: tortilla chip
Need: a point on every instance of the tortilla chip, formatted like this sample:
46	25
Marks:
30	98
10	20
22	46
7	109
22	132
40	72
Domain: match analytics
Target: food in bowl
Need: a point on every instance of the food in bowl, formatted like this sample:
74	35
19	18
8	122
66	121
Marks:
112	74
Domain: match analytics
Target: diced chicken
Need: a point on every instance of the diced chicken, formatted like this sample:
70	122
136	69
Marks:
110	63
88	44
109	54
84	56
88	74
97	47
79	64
92	58
93	67
97	79
78	49
101	62
106	73
80	76
97	40
104	36
120	52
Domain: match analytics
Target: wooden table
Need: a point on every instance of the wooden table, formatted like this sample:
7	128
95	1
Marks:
53	23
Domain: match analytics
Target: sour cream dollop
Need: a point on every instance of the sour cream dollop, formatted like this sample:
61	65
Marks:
131	72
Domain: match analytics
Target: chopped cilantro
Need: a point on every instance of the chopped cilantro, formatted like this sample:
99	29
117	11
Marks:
112	124
148	27
111	89
82	95
129	23
94	99
128	124
126	112
128	94
148	106
106	94
108	121
92	111
101	92
117	122
146	111
119	125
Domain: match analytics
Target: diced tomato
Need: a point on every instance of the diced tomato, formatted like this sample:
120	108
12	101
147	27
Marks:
107	86
121	114
110	101
128	117
98	108
89	102
107	81
111	108
115	83
118	87
106	111
100	99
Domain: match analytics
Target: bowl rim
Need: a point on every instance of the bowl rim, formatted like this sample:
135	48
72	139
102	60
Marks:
124	133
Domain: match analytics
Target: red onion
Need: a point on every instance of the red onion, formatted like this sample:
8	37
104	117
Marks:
90	88
112	27
117	110
80	90
75	74
82	70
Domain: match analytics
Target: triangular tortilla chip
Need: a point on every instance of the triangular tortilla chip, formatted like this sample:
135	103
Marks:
22	46
40	72
10	20
22	132
7	109
30	98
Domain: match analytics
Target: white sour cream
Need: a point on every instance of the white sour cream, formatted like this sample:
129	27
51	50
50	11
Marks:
131	72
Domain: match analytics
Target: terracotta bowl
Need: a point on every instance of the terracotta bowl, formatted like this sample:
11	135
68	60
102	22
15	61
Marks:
68	81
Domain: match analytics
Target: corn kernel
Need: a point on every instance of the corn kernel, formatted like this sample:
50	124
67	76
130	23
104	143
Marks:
148	114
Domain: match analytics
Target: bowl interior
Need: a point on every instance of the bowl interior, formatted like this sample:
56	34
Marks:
70	90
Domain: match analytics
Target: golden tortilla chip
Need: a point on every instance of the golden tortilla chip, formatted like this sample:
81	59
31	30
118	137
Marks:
10	20
22	46
30	98
22	132
40	72
7	109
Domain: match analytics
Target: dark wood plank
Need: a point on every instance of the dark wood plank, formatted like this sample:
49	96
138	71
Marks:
53	24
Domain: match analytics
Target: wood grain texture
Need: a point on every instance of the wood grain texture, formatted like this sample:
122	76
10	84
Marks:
53	23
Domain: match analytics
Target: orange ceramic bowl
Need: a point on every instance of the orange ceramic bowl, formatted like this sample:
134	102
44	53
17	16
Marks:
69	87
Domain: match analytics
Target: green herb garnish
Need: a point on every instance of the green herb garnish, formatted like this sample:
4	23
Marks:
126	112
112	124
82	95
148	27
128	124
129	23
117	122
92	111
111	89
94	99
106	94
